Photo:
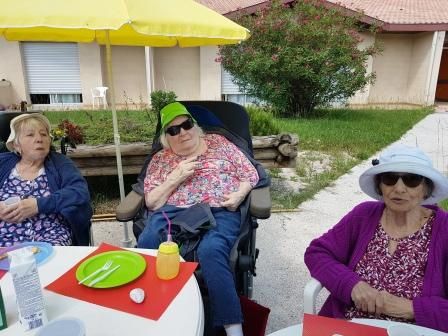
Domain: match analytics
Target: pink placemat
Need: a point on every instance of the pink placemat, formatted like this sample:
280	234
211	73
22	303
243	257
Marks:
159	293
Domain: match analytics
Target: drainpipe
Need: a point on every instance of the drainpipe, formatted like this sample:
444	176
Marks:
432	67
149	64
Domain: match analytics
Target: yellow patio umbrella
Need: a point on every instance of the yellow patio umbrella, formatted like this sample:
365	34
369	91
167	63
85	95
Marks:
156	23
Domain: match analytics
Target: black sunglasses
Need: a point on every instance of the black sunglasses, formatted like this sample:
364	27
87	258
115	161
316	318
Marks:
410	180
175	130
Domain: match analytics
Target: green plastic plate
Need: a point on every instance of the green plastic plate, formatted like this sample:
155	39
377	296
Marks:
132	265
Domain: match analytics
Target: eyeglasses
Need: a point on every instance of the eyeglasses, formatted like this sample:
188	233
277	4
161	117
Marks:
175	130
410	180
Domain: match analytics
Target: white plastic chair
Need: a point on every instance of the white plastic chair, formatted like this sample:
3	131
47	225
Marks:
99	93
310	292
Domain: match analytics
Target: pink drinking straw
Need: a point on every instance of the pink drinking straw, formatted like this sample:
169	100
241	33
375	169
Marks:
168	238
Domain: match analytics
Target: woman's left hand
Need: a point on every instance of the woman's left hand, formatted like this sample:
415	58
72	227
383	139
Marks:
22	210
233	200
395	306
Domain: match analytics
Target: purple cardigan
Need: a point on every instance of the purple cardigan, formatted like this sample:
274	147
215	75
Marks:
333	257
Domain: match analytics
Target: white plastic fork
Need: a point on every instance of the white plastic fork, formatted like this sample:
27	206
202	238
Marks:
105	267
104	276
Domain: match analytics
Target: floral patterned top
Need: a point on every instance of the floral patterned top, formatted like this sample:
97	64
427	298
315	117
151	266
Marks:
50	228
402	273
221	169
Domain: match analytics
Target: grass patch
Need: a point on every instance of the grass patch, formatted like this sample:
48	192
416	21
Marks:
97	126
444	204
359	133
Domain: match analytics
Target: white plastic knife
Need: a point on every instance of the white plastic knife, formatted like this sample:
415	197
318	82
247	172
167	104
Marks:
104	276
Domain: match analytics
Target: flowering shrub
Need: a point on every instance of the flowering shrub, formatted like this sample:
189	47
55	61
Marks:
300	55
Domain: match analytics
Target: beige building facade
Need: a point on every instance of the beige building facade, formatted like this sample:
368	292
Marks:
406	70
192	73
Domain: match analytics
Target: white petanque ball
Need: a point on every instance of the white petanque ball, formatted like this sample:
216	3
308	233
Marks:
137	295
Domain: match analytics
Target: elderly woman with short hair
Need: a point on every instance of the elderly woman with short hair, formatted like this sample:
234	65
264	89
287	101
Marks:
389	259
43	196
193	168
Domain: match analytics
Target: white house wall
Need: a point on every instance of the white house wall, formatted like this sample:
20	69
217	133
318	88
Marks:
128	66
419	68
392	69
210	74
90	69
362	96
178	69
11	69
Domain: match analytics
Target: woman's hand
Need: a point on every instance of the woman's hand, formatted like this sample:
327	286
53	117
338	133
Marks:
4	211
233	200
18	212
364	296
395	306
159	195
183	170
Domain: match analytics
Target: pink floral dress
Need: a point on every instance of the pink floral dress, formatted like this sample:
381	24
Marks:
401	274
50	228
221	169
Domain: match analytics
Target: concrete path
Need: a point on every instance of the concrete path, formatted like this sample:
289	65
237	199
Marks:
283	238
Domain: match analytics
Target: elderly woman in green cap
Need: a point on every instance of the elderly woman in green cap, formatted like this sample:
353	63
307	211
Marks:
193	168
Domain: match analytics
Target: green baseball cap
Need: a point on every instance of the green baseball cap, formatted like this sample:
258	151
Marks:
171	112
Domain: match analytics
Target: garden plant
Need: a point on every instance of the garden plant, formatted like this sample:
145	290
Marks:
301	55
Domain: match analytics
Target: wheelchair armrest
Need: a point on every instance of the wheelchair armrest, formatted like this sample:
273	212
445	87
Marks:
260	203
310	292
129	207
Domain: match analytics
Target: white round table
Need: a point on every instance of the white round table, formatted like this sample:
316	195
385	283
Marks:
184	316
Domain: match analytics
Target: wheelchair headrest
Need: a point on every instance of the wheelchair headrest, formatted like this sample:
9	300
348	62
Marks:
204	117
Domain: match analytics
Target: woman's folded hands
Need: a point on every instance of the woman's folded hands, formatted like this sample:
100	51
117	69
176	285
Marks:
18	212
373	301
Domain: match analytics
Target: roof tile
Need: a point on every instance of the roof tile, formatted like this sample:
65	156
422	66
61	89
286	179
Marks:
388	11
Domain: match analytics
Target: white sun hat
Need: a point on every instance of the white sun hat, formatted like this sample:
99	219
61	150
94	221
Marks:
22	117
405	159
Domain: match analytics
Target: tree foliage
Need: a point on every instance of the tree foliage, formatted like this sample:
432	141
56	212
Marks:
299	56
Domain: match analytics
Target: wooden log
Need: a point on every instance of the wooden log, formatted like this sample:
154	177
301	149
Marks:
265	154
287	149
108	171
271	151
265	141
293	139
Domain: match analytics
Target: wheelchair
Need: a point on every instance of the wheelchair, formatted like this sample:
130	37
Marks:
232	121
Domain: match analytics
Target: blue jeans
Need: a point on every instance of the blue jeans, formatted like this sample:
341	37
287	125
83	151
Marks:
213	254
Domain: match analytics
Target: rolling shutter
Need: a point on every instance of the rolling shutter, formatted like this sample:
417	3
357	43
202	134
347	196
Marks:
52	68
227	84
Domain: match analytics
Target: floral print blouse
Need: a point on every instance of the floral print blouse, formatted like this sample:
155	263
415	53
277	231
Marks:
221	169
49	228
401	273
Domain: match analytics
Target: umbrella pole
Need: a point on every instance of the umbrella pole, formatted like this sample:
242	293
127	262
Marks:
126	241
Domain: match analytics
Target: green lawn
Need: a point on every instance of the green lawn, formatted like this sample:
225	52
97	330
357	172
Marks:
97	125
348	137
359	133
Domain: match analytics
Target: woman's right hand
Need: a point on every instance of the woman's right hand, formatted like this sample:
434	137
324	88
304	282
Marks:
7	210
183	170
364	296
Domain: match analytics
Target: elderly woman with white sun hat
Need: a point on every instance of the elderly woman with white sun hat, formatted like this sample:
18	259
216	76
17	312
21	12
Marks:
388	259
